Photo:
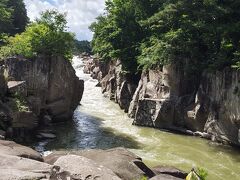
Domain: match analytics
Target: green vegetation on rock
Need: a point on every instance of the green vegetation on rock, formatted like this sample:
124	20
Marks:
18	103
198	34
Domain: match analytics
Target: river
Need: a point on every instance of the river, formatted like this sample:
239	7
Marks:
100	123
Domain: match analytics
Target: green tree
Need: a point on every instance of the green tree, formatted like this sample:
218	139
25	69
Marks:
19	16
47	36
195	34
118	33
5	17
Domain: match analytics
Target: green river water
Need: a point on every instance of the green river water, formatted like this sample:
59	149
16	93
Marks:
100	123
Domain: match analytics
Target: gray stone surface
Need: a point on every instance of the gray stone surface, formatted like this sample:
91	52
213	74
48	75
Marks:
122	162
14	149
83	168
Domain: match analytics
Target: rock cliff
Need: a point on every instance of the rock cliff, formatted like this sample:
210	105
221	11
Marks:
51	84
205	105
40	91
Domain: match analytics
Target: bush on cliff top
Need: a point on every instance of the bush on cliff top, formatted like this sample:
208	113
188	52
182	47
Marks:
196	34
47	35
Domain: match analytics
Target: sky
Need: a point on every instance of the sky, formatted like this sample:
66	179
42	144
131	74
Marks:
80	13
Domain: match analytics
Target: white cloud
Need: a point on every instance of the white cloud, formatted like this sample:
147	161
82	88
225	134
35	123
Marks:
80	13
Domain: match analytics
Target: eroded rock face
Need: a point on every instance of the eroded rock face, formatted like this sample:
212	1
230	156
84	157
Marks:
168	99
158	94
222	107
116	84
51	84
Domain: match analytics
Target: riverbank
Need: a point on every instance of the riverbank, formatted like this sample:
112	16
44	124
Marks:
23	163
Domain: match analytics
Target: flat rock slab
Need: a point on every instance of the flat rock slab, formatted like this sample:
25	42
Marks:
83	168
14	149
18	168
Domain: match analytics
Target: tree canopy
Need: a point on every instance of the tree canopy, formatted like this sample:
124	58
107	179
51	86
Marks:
13	16
47	35
197	34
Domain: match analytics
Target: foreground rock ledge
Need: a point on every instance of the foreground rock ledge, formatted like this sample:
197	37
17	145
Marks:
23	163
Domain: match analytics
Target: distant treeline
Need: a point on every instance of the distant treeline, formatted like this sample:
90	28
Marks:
82	47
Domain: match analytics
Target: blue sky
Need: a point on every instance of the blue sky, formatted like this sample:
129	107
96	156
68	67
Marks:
80	13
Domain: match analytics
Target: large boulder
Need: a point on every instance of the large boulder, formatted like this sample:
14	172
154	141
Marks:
21	163
14	149
52	80
83	168
122	162
18	168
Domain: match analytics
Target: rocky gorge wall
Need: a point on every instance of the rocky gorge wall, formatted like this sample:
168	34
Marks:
205	105
40	91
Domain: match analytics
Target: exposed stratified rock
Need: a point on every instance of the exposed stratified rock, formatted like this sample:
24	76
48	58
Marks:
168	99
52	81
219	100
158	93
